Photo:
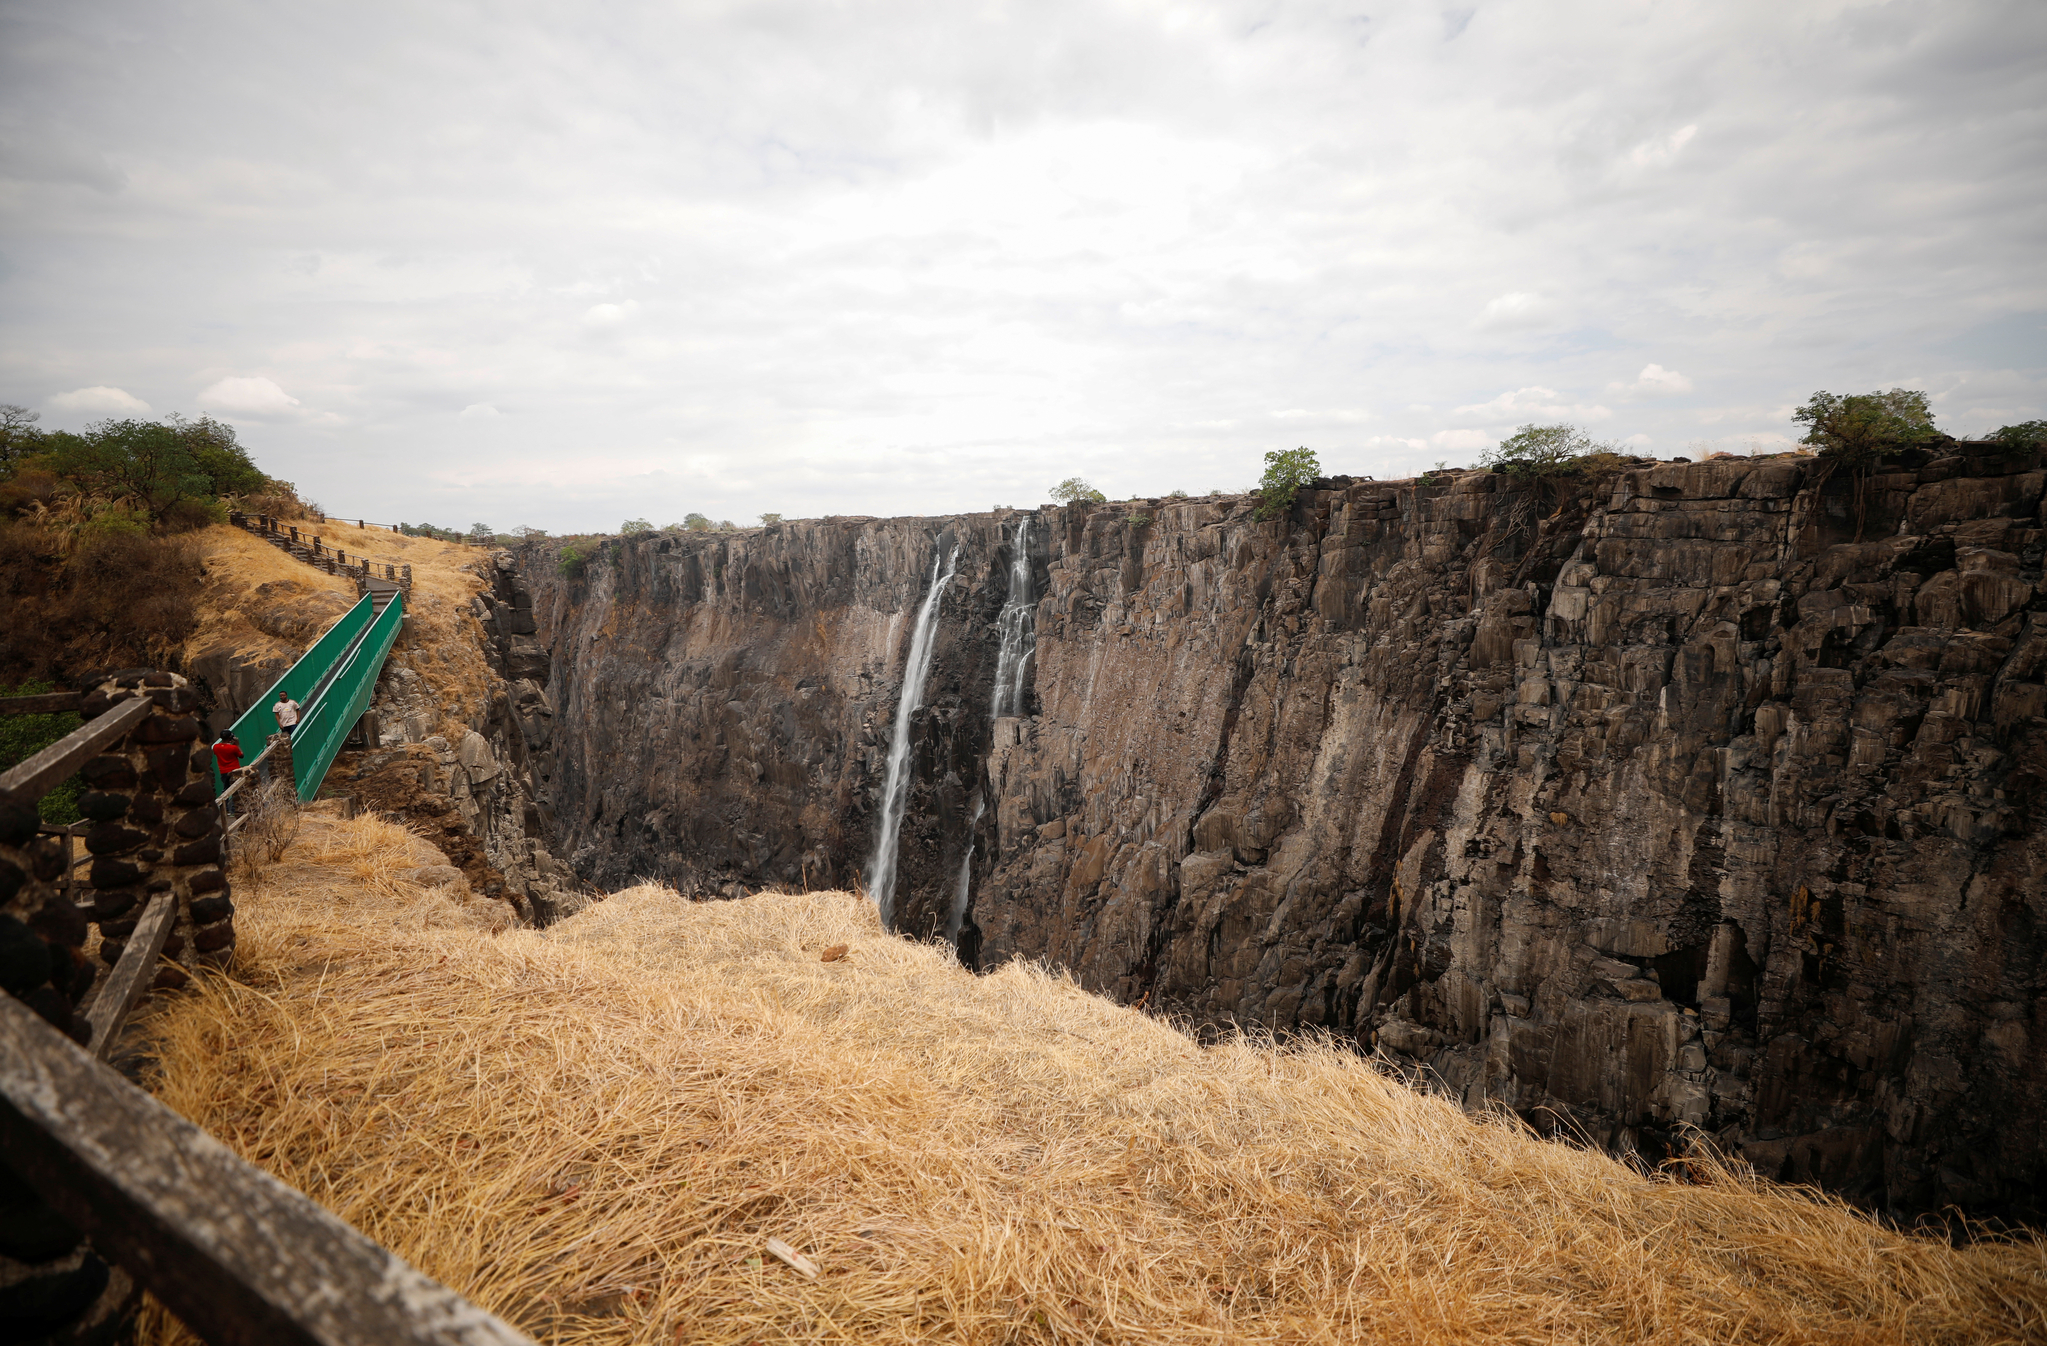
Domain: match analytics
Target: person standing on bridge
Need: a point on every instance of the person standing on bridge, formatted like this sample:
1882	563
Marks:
287	712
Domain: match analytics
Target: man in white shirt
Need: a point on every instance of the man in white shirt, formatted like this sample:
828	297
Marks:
287	712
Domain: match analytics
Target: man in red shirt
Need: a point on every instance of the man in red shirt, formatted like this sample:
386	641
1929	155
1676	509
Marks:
228	754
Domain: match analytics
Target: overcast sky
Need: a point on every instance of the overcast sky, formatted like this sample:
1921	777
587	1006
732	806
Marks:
565	264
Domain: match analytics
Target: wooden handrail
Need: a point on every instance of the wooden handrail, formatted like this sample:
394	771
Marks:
40	704
130	979
39	774
245	778
241	1258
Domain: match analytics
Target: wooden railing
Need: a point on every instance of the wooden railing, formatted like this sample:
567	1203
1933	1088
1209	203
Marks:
241	1258
311	548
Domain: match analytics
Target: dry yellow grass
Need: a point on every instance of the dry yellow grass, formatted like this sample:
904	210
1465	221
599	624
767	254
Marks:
594	1130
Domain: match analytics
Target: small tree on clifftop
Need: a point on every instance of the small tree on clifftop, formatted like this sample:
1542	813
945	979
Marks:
1286	471
1855	430
1075	490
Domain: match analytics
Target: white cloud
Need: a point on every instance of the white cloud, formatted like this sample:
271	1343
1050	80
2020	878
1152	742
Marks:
479	411
609	315
1662	149
255	396
1515	311
1654	381
1526	404
99	400
920	256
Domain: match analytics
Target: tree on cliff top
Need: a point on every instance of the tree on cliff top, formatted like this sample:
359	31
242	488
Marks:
1076	490
1542	451
1855	430
1286	471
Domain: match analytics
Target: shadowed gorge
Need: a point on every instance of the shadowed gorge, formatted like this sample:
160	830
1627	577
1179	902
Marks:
1706	796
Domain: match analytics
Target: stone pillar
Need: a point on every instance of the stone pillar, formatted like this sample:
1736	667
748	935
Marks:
156	828
53	1286
42	933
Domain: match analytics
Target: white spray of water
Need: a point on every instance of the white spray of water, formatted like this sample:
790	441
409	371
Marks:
1018	626
895	790
958	917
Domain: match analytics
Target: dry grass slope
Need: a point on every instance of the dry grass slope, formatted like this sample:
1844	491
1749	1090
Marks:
594	1130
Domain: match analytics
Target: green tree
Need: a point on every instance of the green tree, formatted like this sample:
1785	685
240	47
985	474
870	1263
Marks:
19	436
570	562
1286	471
633	526
771	518
482	532
146	460
1075	490
696	523
215	452
1855	430
2025	433
1541	451
526	532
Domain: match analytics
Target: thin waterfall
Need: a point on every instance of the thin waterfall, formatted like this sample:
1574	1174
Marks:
1018	627
895	790
958	917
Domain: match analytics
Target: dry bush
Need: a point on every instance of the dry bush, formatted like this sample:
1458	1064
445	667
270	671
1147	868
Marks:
593	1131
279	500
272	819
78	602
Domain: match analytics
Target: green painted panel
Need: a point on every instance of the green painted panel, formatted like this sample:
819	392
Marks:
257	724
324	724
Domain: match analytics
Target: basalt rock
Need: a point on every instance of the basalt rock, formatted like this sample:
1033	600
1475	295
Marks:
1703	797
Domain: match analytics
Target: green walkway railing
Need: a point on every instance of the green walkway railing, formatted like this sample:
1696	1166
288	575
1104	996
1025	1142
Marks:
332	682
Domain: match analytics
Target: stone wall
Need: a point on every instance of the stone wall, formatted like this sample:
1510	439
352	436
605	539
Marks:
1710	799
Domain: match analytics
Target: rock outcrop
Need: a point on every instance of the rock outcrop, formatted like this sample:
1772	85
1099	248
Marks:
468	770
1708	799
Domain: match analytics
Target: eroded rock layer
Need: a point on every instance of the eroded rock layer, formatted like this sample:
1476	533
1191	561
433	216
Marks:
1711	798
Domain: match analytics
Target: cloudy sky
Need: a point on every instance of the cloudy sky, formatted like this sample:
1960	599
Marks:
567	264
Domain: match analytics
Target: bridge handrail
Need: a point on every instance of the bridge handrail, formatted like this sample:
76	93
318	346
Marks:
257	724
325	723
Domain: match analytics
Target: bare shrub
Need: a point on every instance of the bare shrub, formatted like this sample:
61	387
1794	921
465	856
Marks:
101	598
272	808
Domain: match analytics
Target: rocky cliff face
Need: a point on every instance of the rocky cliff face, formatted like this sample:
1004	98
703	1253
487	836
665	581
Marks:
1712	799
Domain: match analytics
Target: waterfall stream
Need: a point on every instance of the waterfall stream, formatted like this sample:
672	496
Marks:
1017	626
895	790
958	917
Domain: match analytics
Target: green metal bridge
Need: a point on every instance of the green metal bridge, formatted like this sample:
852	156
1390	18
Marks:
332	682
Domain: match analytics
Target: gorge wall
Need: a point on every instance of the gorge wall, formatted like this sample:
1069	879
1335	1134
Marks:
1709	796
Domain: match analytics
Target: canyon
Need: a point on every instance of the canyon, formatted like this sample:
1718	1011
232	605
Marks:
1695	799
